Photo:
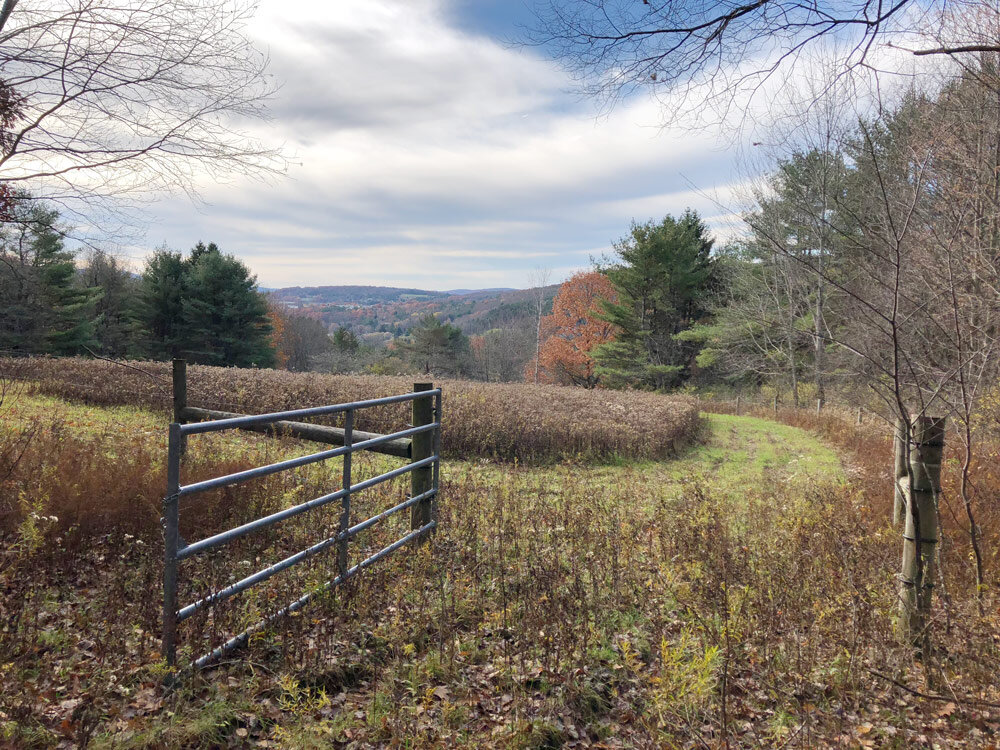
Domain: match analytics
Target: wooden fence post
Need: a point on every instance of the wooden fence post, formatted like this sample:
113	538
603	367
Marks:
775	404
421	447
900	472
737	406
180	396
920	535
819	405
860	418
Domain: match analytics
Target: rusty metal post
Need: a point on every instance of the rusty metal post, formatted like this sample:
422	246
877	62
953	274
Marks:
421	447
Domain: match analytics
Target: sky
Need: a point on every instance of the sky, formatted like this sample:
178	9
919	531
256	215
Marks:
427	151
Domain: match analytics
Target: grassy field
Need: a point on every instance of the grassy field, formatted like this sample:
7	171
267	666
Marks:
501	421
740	594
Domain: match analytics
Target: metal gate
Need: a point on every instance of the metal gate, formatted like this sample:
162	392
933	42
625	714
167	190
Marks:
424	469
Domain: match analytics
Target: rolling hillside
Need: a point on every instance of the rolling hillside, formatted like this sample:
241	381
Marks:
366	309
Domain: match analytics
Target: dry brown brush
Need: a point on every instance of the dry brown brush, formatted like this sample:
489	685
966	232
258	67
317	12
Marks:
867	449
533	423
553	606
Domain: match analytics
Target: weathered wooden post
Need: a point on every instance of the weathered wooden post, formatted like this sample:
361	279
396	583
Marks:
819	405
920	536
860	417
180	397
900	437
775	404
737	406
421	447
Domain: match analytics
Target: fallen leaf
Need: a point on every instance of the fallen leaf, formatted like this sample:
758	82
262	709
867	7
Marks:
946	710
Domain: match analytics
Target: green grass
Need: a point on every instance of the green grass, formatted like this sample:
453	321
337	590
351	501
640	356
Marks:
116	425
743	450
734	455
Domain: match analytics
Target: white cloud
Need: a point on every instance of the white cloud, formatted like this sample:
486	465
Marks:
431	155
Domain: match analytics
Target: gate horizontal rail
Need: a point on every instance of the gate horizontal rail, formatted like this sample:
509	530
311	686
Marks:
303	430
424	468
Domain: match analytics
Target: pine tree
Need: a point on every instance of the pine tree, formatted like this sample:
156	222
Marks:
344	340
160	304
224	317
206	308
438	347
43	308
662	275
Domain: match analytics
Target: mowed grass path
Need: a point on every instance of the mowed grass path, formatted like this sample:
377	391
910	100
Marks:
741	450
734	455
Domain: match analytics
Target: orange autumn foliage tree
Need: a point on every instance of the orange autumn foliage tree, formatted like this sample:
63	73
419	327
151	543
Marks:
277	316
574	329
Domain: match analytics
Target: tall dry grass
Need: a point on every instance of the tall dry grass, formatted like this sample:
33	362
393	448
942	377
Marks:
868	453
554	606
530	423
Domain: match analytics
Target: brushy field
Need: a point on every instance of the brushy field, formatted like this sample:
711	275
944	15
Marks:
740	595
530	423
870	446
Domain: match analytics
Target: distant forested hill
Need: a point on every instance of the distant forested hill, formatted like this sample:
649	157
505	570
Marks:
349	295
367	309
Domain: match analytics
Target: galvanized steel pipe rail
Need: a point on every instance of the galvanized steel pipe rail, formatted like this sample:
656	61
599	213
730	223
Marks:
424	469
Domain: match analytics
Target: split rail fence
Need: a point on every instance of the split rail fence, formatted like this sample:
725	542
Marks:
420	443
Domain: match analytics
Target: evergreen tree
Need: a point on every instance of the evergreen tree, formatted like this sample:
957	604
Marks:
159	309
438	347
115	325
224	317
663	275
345	341
43	308
206	308
805	216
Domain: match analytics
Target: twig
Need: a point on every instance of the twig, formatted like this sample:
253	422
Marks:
933	696
150	375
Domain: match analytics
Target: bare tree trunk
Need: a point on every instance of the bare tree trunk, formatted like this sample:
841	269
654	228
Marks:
539	280
538	340
819	343
793	371
5	12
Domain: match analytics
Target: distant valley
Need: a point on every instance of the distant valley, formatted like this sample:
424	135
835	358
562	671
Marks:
394	310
